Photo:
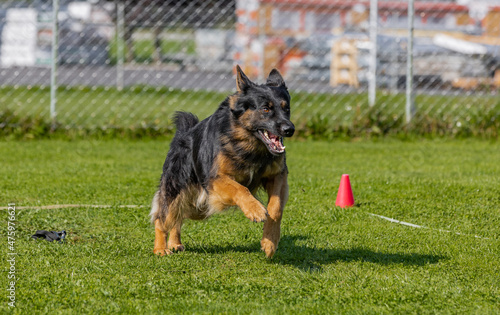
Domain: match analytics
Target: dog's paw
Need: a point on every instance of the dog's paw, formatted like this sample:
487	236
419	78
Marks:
176	247
268	247
256	212
162	252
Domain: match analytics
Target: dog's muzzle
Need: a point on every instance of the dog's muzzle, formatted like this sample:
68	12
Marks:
287	129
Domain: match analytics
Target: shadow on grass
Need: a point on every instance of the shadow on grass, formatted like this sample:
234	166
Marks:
218	249
312	259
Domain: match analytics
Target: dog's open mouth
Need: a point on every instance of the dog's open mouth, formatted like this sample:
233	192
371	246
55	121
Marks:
273	142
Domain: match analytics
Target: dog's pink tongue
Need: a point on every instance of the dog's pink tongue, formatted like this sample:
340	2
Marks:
276	141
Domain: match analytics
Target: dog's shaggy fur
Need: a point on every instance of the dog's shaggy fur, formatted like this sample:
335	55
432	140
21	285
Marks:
223	160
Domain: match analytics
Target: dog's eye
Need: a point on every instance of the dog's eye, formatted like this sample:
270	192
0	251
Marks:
266	109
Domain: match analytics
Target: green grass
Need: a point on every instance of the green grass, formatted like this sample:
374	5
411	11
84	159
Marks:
326	115
98	107
330	260
144	49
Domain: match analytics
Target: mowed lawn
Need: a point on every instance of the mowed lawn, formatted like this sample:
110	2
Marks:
330	260
142	106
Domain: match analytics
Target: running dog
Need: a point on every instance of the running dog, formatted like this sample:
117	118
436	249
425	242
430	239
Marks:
224	160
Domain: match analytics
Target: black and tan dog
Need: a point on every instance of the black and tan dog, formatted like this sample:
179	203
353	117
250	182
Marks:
223	160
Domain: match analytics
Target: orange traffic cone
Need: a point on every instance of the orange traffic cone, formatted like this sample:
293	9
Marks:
344	196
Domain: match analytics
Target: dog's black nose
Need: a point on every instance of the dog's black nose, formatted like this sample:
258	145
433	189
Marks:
287	129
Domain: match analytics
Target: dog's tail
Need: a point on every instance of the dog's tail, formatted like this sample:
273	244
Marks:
185	121
168	215
155	208
170	186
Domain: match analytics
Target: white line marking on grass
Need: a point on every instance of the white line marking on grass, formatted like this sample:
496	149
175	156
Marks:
397	221
52	207
420	226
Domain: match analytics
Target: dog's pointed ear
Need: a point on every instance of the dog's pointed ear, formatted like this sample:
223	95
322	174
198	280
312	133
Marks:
275	79
242	81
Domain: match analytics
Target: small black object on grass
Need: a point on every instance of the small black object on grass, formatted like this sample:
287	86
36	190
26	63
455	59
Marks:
49	235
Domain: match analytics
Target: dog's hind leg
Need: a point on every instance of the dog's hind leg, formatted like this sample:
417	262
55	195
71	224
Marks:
160	247
174	239
277	189
171	224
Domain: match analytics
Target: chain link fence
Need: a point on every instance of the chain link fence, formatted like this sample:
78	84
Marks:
131	64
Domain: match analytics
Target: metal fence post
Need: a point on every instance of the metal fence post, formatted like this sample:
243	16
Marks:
120	51
410	103
53	71
372	79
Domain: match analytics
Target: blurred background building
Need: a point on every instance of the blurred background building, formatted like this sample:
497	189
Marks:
456	42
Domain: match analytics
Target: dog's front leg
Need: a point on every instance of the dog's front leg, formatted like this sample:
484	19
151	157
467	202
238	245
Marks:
227	192
277	189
